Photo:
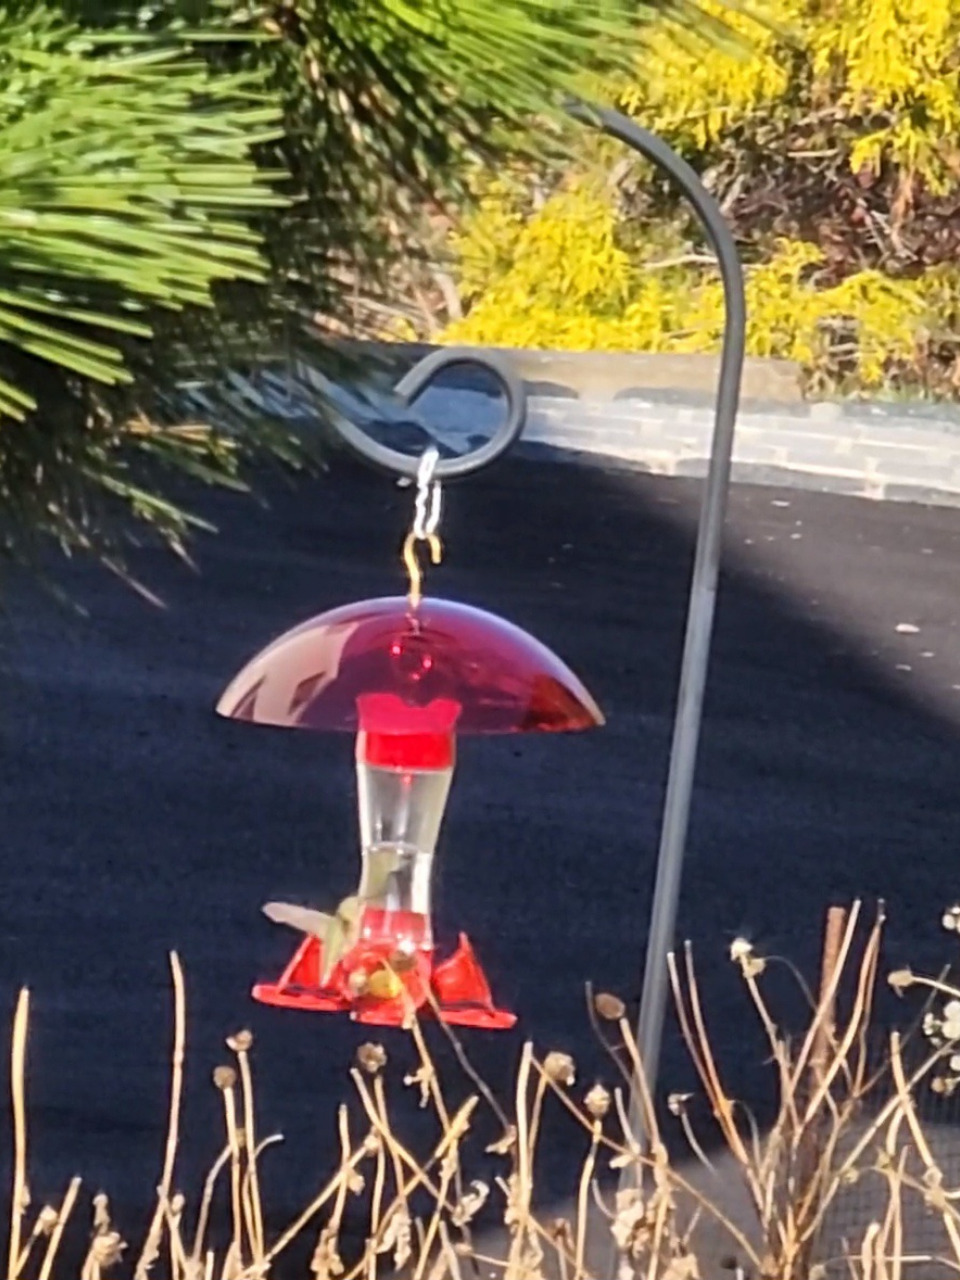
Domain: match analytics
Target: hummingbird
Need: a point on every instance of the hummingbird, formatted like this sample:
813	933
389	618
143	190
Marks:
338	931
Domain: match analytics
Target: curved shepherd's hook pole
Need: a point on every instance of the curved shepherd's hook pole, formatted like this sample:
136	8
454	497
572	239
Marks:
703	589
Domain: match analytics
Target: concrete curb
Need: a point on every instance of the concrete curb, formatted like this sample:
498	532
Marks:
611	375
883	451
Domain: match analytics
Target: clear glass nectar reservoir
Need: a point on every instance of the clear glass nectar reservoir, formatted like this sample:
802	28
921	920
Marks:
405	760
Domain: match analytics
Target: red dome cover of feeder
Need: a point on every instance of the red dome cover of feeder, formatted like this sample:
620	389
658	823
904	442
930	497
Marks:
501	678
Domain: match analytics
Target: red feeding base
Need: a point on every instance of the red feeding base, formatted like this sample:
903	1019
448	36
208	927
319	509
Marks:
363	986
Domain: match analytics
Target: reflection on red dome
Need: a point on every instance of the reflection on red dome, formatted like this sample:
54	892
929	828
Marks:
438	654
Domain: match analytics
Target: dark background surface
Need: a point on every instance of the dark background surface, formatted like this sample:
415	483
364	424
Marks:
133	821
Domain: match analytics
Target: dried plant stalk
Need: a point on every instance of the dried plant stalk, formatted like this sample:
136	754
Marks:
56	1235
313	1208
206	1201
151	1247
236	1171
793	1174
586	1178
18	1055
241	1045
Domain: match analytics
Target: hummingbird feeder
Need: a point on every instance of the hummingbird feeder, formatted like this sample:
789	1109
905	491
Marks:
407	675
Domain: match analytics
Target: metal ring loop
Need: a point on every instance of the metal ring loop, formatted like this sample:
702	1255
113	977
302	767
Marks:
413	384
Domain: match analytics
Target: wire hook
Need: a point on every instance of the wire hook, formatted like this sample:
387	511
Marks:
414	572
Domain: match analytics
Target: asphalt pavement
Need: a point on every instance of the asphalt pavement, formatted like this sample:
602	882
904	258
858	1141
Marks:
133	821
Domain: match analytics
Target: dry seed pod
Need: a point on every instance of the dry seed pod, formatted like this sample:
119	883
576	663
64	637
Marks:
597	1101
101	1212
47	1219
326	1261
465	1210
242	1042
371	1058
560	1068
950	1024
609	1007
741	949
628	1221
422	1078
503	1146
900	979
107	1249
224	1078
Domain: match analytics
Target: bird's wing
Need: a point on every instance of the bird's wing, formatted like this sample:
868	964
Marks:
304	919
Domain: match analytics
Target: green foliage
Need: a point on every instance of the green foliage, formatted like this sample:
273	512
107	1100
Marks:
193	189
385	105
126	186
832	146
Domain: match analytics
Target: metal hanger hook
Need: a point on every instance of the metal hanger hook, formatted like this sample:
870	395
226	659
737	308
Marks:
410	559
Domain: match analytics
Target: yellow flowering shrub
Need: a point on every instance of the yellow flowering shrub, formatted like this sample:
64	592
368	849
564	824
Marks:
899	64
566	253
832	132
694	93
634	307
890	61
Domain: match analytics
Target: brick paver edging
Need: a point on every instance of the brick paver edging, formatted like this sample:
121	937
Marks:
889	451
